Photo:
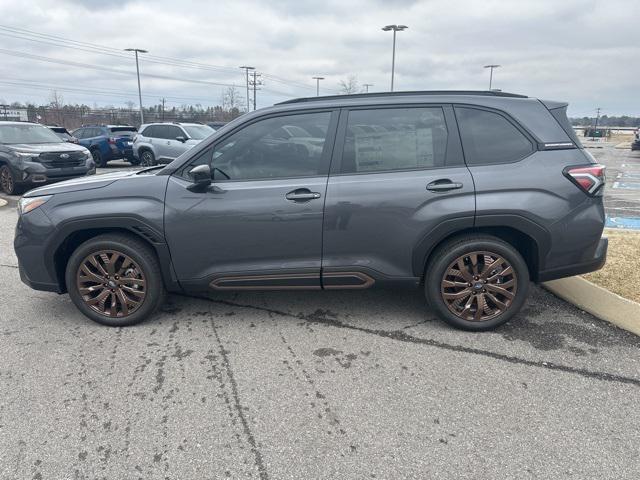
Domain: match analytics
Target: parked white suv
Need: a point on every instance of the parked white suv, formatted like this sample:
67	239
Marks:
163	142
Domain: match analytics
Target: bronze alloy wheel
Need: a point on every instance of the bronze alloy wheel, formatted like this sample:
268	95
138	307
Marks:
6	180
479	286
111	283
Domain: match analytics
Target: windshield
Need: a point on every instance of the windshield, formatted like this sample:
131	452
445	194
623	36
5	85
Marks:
33	134
198	132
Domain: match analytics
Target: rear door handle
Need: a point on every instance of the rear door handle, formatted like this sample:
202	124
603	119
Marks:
443	186
302	195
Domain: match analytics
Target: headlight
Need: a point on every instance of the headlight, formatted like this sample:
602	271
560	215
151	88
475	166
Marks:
27	155
25	205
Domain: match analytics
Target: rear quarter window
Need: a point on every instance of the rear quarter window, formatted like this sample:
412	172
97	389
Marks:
490	138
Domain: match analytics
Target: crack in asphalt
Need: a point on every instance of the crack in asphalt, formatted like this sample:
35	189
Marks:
6	265
238	406
320	317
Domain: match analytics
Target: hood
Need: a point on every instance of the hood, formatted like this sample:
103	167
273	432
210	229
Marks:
46	147
81	183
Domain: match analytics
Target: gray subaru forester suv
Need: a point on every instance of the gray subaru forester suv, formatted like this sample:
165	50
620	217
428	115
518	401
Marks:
468	195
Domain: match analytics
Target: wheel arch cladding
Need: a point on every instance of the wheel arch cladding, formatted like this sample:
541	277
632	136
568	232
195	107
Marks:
72	238
524	243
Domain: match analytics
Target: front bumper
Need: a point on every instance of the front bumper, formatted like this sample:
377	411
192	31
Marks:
593	264
32	232
33	173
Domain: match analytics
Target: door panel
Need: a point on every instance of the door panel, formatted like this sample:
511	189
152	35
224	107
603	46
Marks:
238	227
375	221
259	225
397	174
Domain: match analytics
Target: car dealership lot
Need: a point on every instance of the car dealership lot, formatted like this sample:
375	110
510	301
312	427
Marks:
310	385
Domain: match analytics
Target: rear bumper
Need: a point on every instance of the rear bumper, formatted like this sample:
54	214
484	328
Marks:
593	264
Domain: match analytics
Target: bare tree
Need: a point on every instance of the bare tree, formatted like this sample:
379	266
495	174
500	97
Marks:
231	99
56	101
350	85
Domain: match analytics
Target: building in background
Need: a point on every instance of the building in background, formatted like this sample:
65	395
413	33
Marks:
14	114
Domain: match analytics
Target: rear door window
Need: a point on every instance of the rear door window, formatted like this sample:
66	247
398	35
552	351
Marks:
150	131
490	138
393	139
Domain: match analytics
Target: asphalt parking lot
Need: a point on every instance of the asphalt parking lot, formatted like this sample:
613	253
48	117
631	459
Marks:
622	195
304	385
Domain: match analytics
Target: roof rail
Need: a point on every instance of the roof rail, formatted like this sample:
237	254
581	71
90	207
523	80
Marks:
485	93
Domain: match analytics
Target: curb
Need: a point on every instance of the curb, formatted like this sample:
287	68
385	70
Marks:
598	301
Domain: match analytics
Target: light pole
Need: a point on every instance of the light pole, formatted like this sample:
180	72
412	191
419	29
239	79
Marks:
246	71
317	79
395	28
138	50
491	67
366	86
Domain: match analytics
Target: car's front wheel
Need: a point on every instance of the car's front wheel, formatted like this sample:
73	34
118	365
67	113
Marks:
476	282
8	182
115	280
147	158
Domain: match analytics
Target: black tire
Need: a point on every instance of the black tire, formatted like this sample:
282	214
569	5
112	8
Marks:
98	158
8	182
439	279
147	158
147	265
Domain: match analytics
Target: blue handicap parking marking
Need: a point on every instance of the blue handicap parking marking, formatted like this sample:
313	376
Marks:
623	222
629	176
627	185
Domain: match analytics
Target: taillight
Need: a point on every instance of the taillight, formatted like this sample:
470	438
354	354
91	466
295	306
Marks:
112	140
590	179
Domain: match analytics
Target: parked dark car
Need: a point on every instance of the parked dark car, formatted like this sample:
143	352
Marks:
31	154
63	134
108	142
468	195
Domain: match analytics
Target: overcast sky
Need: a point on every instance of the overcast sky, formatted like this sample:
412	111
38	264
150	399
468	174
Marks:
582	51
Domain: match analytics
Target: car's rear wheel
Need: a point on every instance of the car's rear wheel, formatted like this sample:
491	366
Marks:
115	280
476	282
98	158
7	181
147	158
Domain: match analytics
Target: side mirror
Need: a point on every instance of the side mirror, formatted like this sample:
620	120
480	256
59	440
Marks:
201	176
181	139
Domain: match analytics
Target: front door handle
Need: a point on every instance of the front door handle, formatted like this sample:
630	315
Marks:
302	195
443	185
